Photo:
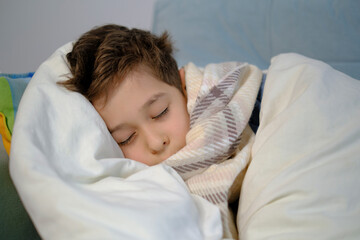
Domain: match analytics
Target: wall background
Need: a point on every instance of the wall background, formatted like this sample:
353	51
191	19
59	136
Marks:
30	31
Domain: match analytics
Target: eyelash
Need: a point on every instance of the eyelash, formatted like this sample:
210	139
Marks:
128	140
166	110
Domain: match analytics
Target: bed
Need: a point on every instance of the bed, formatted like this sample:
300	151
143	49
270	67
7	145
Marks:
303	178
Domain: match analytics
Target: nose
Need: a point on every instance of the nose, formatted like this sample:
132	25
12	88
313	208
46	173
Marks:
156	141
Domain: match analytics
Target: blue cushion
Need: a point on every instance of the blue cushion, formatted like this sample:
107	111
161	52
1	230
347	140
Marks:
253	31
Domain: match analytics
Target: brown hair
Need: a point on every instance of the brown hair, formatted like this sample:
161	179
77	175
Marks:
110	52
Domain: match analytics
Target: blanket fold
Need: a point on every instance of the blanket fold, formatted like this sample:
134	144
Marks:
221	98
74	182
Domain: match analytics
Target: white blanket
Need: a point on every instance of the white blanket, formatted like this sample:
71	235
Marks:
75	184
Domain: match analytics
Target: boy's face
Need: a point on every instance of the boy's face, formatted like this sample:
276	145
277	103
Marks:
147	117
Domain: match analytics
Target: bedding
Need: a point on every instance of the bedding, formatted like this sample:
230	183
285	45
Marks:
304	167
303	178
75	183
220	100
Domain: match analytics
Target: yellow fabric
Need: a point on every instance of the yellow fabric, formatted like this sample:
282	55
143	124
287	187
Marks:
5	134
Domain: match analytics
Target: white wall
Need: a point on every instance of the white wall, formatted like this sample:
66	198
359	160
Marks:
31	30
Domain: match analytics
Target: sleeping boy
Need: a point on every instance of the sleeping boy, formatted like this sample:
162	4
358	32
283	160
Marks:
193	119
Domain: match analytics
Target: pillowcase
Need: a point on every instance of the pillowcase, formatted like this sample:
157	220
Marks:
12	87
303	180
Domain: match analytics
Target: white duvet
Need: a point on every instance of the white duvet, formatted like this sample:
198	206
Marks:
302	182
74	183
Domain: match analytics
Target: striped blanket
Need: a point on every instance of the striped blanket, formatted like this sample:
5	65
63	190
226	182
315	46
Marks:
221	98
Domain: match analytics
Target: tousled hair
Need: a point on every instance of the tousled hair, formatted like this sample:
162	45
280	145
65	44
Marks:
106	54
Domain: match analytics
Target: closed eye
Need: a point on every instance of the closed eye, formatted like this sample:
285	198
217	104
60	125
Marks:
127	141
166	110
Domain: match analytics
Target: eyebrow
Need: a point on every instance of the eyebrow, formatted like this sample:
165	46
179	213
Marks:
147	104
153	99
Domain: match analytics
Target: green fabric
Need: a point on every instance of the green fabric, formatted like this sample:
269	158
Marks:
12	87
6	103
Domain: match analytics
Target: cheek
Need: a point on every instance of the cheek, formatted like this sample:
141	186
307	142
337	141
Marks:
134	153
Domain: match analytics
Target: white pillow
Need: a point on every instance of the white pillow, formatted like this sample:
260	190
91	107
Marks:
303	181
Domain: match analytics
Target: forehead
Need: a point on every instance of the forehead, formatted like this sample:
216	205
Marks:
139	84
120	81
131	93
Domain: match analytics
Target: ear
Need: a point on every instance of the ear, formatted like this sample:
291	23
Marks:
182	77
